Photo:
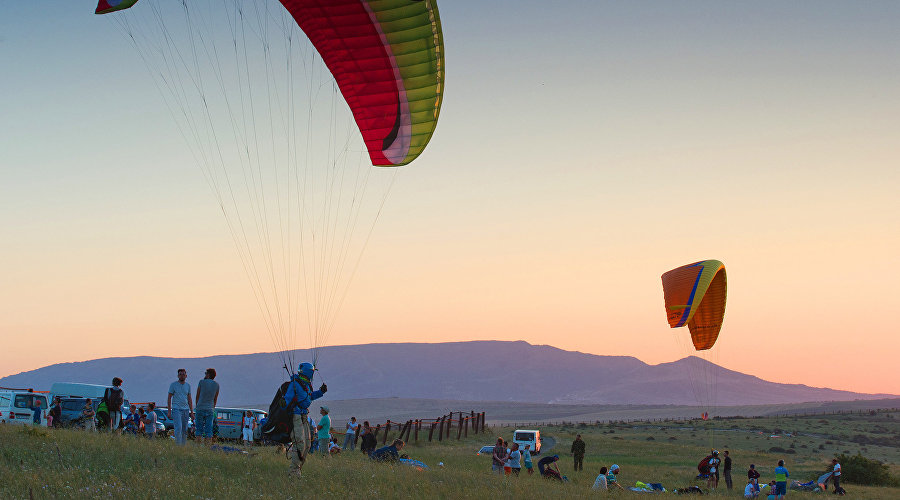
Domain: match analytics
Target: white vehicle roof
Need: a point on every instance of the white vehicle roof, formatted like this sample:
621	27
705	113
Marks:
78	390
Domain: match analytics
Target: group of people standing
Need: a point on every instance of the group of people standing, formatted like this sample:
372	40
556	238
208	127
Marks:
507	459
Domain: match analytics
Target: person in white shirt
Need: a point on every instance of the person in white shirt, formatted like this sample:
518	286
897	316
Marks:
350	435
750	490
248	425
600	482
836	475
513	460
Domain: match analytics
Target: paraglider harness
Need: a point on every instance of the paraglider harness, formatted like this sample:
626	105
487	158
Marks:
704	467
280	422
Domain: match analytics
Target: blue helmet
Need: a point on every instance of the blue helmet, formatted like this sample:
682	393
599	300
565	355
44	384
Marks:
306	369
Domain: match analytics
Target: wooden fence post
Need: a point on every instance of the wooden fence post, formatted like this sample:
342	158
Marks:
387	429
431	432
467	426
459	427
472	421
483	422
418	425
409	426
441	430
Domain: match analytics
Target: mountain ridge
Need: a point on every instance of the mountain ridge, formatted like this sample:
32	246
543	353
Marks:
484	370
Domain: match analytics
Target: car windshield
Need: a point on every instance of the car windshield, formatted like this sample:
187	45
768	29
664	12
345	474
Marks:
30	401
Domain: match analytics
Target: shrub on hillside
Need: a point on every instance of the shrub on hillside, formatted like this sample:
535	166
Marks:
858	469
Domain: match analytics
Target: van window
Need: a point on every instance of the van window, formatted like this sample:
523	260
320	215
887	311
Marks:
4	400
223	415
524	436
29	401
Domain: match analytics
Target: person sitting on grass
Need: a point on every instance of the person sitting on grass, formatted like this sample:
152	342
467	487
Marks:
612	477
548	469
333	447
751	490
600	483
388	453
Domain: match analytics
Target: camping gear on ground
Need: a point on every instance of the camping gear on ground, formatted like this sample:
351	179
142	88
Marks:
690	490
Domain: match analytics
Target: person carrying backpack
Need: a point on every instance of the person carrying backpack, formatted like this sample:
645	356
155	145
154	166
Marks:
114	397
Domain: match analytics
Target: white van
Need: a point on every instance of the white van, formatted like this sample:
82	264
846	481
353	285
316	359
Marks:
16	406
529	437
77	390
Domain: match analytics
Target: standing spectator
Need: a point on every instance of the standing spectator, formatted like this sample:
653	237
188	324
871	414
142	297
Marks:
87	415
368	443
836	476
207	397
36	409
513	464
526	457
781	477
248	425
179	402
55	417
350	436
713	480
726	470
498	457
149	420
324	428
753	476
114	397
578	452
313	435
600	482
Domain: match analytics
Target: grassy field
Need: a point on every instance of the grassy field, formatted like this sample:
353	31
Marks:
41	463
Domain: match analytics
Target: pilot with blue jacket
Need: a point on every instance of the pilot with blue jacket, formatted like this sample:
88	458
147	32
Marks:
299	396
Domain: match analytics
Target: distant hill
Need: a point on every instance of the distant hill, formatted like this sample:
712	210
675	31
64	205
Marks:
469	371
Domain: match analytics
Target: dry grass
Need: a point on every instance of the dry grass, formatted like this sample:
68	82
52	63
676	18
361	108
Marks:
40	463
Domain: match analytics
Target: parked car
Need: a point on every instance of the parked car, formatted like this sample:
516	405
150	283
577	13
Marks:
16	406
228	422
162	416
486	450
70	411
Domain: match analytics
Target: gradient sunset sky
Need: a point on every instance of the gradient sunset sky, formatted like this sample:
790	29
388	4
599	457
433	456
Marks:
583	149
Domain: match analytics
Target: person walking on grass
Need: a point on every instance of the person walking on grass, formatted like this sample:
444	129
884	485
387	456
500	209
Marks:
87	415
498	457
578	452
298	397
350	434
781	477
836	476
324	429
600	483
114	397
180	405
206	400
726	470
526	457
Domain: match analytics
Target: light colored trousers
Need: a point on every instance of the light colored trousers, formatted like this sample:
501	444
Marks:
349	441
181	418
300	440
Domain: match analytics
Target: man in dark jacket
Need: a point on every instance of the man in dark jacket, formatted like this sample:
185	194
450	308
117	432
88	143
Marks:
726	470
578	452
388	453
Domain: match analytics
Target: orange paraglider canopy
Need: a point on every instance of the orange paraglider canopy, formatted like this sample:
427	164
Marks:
695	296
